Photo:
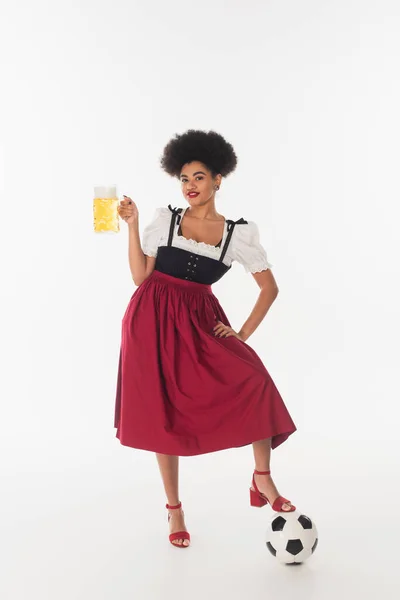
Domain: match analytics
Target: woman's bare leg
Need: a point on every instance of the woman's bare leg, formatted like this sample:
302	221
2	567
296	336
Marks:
262	456
169	469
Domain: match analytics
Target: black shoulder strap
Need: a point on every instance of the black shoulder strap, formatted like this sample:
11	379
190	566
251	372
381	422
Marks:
231	227
175	214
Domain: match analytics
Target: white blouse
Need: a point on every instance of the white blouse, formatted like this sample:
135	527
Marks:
244	247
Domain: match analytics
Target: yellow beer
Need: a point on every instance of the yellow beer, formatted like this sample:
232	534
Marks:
105	214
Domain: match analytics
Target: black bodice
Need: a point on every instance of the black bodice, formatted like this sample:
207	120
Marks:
187	264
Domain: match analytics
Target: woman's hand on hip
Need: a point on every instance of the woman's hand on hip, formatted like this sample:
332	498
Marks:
221	330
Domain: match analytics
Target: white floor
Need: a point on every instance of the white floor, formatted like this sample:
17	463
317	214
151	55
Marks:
100	531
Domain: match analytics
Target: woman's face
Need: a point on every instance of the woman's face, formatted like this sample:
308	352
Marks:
196	177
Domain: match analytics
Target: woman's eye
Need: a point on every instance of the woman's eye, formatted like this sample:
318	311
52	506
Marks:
185	180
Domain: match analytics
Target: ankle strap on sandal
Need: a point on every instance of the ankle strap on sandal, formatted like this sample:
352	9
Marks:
172	507
261	472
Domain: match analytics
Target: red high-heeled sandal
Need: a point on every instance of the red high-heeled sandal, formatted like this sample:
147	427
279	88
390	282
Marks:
178	535
259	499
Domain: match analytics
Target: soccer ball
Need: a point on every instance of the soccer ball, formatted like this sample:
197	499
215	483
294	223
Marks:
291	537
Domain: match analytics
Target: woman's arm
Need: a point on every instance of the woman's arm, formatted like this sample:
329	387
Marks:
269	291
140	264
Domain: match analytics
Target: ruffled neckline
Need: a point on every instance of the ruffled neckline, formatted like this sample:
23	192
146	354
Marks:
196	244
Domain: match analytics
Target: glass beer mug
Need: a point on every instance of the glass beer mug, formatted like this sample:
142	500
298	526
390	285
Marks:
105	214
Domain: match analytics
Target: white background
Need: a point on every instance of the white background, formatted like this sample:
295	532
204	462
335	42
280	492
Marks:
308	93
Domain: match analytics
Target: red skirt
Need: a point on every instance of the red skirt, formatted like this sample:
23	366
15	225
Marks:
180	389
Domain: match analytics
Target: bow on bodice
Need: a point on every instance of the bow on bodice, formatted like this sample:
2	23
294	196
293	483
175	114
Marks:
231	223
176	212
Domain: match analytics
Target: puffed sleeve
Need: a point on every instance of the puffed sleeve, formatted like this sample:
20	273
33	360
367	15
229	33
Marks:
156	231
247	248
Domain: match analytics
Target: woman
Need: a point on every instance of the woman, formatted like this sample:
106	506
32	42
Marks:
187	382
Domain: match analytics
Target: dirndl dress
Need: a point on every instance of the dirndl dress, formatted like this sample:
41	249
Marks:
180	389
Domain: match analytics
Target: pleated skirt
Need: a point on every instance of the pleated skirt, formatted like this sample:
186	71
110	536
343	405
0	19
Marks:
180	389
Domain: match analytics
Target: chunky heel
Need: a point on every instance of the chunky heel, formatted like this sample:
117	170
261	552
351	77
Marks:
256	499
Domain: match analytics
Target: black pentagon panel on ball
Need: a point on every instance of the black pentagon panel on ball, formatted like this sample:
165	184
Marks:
294	547
305	522
314	545
271	548
278	523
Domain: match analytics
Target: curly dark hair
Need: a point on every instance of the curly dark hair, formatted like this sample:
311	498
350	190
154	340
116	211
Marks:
210	148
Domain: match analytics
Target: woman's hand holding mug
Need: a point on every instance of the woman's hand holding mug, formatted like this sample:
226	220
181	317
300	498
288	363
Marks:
128	211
